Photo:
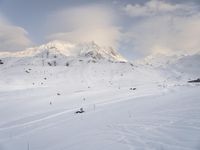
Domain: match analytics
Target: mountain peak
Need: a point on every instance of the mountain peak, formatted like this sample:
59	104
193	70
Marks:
61	51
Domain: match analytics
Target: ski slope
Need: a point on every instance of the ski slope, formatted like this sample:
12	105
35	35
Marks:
113	119
127	105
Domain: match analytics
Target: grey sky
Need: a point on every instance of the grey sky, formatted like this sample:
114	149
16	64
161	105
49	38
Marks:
128	25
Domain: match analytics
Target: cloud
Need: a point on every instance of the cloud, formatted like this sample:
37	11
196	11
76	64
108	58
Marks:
155	7
163	28
12	37
83	24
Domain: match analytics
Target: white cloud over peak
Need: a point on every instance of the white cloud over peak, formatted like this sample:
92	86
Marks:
155	7
12	37
164	28
84	24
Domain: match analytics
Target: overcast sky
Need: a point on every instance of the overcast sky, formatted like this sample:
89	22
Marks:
136	28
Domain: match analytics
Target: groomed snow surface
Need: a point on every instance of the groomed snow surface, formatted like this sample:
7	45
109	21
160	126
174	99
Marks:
38	109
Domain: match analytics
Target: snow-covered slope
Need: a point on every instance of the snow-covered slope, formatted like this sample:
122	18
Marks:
38	105
174	66
189	64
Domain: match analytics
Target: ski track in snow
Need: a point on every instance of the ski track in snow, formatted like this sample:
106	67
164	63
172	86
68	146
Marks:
142	132
6	126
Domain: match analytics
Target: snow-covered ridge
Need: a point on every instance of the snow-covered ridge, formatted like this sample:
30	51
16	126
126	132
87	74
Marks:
162	60
178	66
65	49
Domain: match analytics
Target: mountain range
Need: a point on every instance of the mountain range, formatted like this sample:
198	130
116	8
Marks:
60	53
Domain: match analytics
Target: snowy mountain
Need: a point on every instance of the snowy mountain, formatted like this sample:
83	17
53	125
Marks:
60	53
174	66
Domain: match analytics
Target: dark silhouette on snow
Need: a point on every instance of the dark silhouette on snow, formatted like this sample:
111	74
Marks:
67	64
193	81
80	111
49	64
1	62
132	89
